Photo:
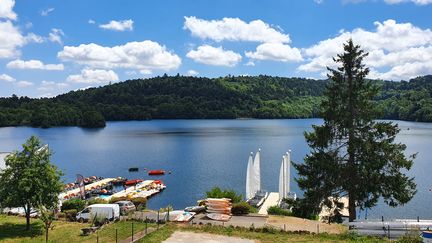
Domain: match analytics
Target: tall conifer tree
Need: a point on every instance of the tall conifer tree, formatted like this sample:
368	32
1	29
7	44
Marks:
351	154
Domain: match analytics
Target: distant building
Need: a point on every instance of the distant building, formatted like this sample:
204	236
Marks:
2	160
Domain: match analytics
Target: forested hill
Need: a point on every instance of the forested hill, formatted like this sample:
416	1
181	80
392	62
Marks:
192	97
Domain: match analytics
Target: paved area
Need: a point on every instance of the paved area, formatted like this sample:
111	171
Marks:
272	200
190	237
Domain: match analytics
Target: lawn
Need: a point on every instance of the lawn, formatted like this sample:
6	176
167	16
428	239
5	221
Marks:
12	229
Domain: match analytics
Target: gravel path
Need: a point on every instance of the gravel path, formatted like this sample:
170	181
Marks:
189	237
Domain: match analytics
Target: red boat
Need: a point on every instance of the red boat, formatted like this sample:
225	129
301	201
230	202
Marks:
132	182
156	172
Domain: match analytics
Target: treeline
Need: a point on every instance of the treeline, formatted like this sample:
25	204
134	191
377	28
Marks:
181	97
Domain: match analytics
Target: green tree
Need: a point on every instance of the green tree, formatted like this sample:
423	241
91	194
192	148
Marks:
351	154
47	217
93	119
29	179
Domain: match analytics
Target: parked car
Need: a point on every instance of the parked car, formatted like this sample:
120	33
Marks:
126	207
107	211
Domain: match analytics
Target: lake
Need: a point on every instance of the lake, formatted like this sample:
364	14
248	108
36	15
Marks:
206	153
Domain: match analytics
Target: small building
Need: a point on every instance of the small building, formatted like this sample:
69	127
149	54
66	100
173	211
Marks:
2	160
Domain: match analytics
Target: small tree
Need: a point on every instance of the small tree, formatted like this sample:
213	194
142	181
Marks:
47	217
29	179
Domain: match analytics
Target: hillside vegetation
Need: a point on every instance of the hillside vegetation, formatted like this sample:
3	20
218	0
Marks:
181	97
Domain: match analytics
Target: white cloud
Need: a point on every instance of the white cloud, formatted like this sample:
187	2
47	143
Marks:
234	29
276	52
94	76
50	86
215	56
6	9
31	37
250	63
396	50
91	21
121	25
145	55
418	2
192	73
24	84
34	64
7	78
318	1
56	35
47	11
10	40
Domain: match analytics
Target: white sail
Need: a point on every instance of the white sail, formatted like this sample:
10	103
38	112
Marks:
282	179
256	185
288	171
249	192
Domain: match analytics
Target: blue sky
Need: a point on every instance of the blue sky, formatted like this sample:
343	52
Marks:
51	47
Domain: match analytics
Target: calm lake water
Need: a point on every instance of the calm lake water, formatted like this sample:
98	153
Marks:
206	153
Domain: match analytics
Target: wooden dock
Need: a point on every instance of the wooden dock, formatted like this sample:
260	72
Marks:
272	200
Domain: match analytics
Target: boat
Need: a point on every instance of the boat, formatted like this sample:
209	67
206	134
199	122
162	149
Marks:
132	182
195	209
218	216
253	175
156	172
133	169
284	178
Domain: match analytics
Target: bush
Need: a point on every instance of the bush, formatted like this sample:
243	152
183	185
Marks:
139	202
242	208
76	203
303	208
70	214
116	199
96	201
216	192
275	210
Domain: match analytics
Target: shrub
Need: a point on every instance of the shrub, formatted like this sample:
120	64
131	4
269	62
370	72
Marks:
96	201
242	208
275	210
216	192
116	199
70	214
76	203
139	202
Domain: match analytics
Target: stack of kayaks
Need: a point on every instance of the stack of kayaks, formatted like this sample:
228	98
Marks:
218	208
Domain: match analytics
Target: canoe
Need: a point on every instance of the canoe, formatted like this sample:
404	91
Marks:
132	182
156	172
218	216
427	236
196	209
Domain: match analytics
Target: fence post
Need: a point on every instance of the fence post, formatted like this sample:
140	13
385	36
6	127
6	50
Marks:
317	228
146	225
132	232
116	236
382	218
388	231
167	219
418	219
97	236
157	220
284	227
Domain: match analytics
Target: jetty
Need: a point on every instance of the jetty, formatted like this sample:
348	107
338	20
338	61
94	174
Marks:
74	192
272	200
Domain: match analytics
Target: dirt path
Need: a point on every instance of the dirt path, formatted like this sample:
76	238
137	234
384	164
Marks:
189	237
299	224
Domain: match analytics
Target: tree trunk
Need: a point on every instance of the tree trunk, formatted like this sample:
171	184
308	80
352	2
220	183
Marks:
27	213
351	208
46	234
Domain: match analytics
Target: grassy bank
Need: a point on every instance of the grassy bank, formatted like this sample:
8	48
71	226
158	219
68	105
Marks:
12	229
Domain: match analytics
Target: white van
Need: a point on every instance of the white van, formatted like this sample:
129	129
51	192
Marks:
108	211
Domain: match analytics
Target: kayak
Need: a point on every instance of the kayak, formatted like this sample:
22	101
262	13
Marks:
132	182
156	172
218	216
196	209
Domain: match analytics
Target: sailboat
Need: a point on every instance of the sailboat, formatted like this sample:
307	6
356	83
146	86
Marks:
284	177
254	195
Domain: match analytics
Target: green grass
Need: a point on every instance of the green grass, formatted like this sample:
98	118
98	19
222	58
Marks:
12	229
266	235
